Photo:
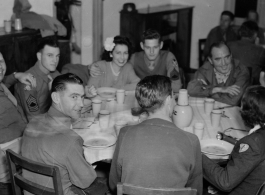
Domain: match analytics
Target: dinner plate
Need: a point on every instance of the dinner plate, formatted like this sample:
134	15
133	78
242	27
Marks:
216	147
100	141
106	92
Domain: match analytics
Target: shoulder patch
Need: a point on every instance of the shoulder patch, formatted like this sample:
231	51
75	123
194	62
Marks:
32	104
243	147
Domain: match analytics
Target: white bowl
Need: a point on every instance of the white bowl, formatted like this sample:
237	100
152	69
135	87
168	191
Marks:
106	92
100	141
216	147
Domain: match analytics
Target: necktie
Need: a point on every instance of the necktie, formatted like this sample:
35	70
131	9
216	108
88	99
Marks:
9	94
50	83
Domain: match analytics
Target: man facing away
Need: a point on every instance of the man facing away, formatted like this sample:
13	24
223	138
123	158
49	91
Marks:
254	16
221	77
12	120
49	139
246	51
152	60
224	32
156	153
37	100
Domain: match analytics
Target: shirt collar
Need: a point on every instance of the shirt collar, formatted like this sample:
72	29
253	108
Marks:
60	117
147	61
159	122
221	78
38	71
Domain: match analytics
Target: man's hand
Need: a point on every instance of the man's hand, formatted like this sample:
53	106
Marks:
86	109
95	70
26	78
232	90
90	91
203	81
262	78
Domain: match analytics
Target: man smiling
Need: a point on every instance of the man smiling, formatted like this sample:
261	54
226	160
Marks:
37	99
152	60
222	78
49	139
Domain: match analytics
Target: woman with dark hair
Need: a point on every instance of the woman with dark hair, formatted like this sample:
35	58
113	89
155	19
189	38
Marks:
245	169
116	71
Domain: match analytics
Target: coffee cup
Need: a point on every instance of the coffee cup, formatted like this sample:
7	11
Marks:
208	105
96	106
120	95
104	116
216	117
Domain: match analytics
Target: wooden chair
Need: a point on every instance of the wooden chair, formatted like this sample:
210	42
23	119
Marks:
201	50
137	190
16	162
261	190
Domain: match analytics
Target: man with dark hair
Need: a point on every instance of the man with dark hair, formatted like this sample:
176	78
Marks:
221	77
156	153
37	100
49	139
254	16
152	60
246	51
245	169
223	32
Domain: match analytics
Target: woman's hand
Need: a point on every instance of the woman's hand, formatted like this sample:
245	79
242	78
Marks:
90	91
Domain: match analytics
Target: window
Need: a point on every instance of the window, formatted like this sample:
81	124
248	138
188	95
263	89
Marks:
243	6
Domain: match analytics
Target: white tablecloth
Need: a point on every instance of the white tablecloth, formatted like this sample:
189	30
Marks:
123	112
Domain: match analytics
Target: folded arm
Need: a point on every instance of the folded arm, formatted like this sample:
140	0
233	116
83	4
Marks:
242	82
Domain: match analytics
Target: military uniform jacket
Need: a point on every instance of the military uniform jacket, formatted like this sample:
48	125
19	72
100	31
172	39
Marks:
37	100
245	169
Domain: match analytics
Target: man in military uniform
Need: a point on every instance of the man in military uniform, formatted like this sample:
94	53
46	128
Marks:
49	139
37	100
12	120
245	170
152	60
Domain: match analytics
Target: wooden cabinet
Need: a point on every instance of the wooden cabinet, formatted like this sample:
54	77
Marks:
19	49
174	23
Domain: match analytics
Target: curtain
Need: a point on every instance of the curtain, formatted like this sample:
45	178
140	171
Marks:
97	29
261	11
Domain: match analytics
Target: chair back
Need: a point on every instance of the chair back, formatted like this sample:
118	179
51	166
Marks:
16	162
137	190
261	190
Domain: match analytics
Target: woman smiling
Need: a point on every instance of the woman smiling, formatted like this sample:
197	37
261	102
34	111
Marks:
116	71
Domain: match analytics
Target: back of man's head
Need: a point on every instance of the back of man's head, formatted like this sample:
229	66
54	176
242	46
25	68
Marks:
228	13
50	41
248	29
151	34
60	82
152	91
